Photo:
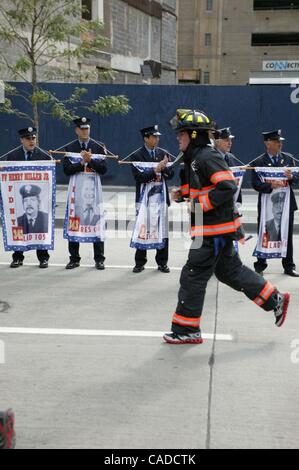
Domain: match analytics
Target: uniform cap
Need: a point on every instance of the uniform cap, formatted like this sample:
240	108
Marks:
30	190
148	131
27	132
223	134
82	122
273	135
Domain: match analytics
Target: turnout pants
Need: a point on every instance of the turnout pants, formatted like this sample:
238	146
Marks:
98	250
202	263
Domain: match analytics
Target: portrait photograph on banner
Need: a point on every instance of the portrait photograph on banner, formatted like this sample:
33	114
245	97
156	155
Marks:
28	194
274	226
85	218
151	225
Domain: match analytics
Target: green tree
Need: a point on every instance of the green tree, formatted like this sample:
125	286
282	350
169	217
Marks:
49	37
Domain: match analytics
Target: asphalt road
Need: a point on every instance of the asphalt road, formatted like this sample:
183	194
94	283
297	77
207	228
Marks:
88	367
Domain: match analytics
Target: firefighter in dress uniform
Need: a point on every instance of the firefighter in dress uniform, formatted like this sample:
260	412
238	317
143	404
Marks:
28	151
86	146
274	157
150	152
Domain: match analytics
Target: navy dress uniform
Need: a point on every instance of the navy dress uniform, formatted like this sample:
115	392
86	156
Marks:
22	154
281	159
231	160
211	186
98	166
146	154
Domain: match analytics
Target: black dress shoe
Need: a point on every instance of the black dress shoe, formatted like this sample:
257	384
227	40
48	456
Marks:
43	264
72	265
100	265
291	272
16	263
164	269
138	269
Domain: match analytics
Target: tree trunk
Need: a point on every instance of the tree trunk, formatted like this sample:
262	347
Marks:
35	109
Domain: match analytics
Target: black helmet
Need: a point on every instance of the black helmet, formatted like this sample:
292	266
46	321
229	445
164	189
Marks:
194	121
179	112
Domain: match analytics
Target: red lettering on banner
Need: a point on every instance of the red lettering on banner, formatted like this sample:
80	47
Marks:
12	211
33	176
74	189
4	177
71	211
74	224
17	234
10	200
46	177
13	222
10	188
73	200
16	177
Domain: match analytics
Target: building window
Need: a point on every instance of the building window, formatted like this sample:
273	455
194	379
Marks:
208	39
276	4
209	5
206	78
86	10
275	39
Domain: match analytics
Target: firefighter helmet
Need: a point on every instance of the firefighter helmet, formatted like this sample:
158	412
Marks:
194	121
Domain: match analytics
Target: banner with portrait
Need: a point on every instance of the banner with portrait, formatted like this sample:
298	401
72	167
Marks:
151	225
274	216
238	173
28	197
85	217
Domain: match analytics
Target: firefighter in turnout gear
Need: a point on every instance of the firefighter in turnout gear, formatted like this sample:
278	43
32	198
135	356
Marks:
210	186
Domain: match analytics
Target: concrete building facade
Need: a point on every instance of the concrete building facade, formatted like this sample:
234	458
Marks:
143	41
233	42
143	36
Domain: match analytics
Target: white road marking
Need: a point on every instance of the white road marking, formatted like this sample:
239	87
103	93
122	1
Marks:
77	332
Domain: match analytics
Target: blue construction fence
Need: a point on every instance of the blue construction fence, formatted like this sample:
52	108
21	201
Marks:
249	110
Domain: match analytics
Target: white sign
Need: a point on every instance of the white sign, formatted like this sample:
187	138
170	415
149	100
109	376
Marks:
281	65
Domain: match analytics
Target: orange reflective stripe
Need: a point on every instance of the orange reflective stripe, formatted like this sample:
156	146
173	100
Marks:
200	192
194	193
206	189
184	189
264	295
205	202
185	321
222	176
212	230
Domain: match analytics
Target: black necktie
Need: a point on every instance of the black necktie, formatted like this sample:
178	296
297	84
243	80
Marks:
83	146
87	219
30	225
226	158
29	154
153	154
